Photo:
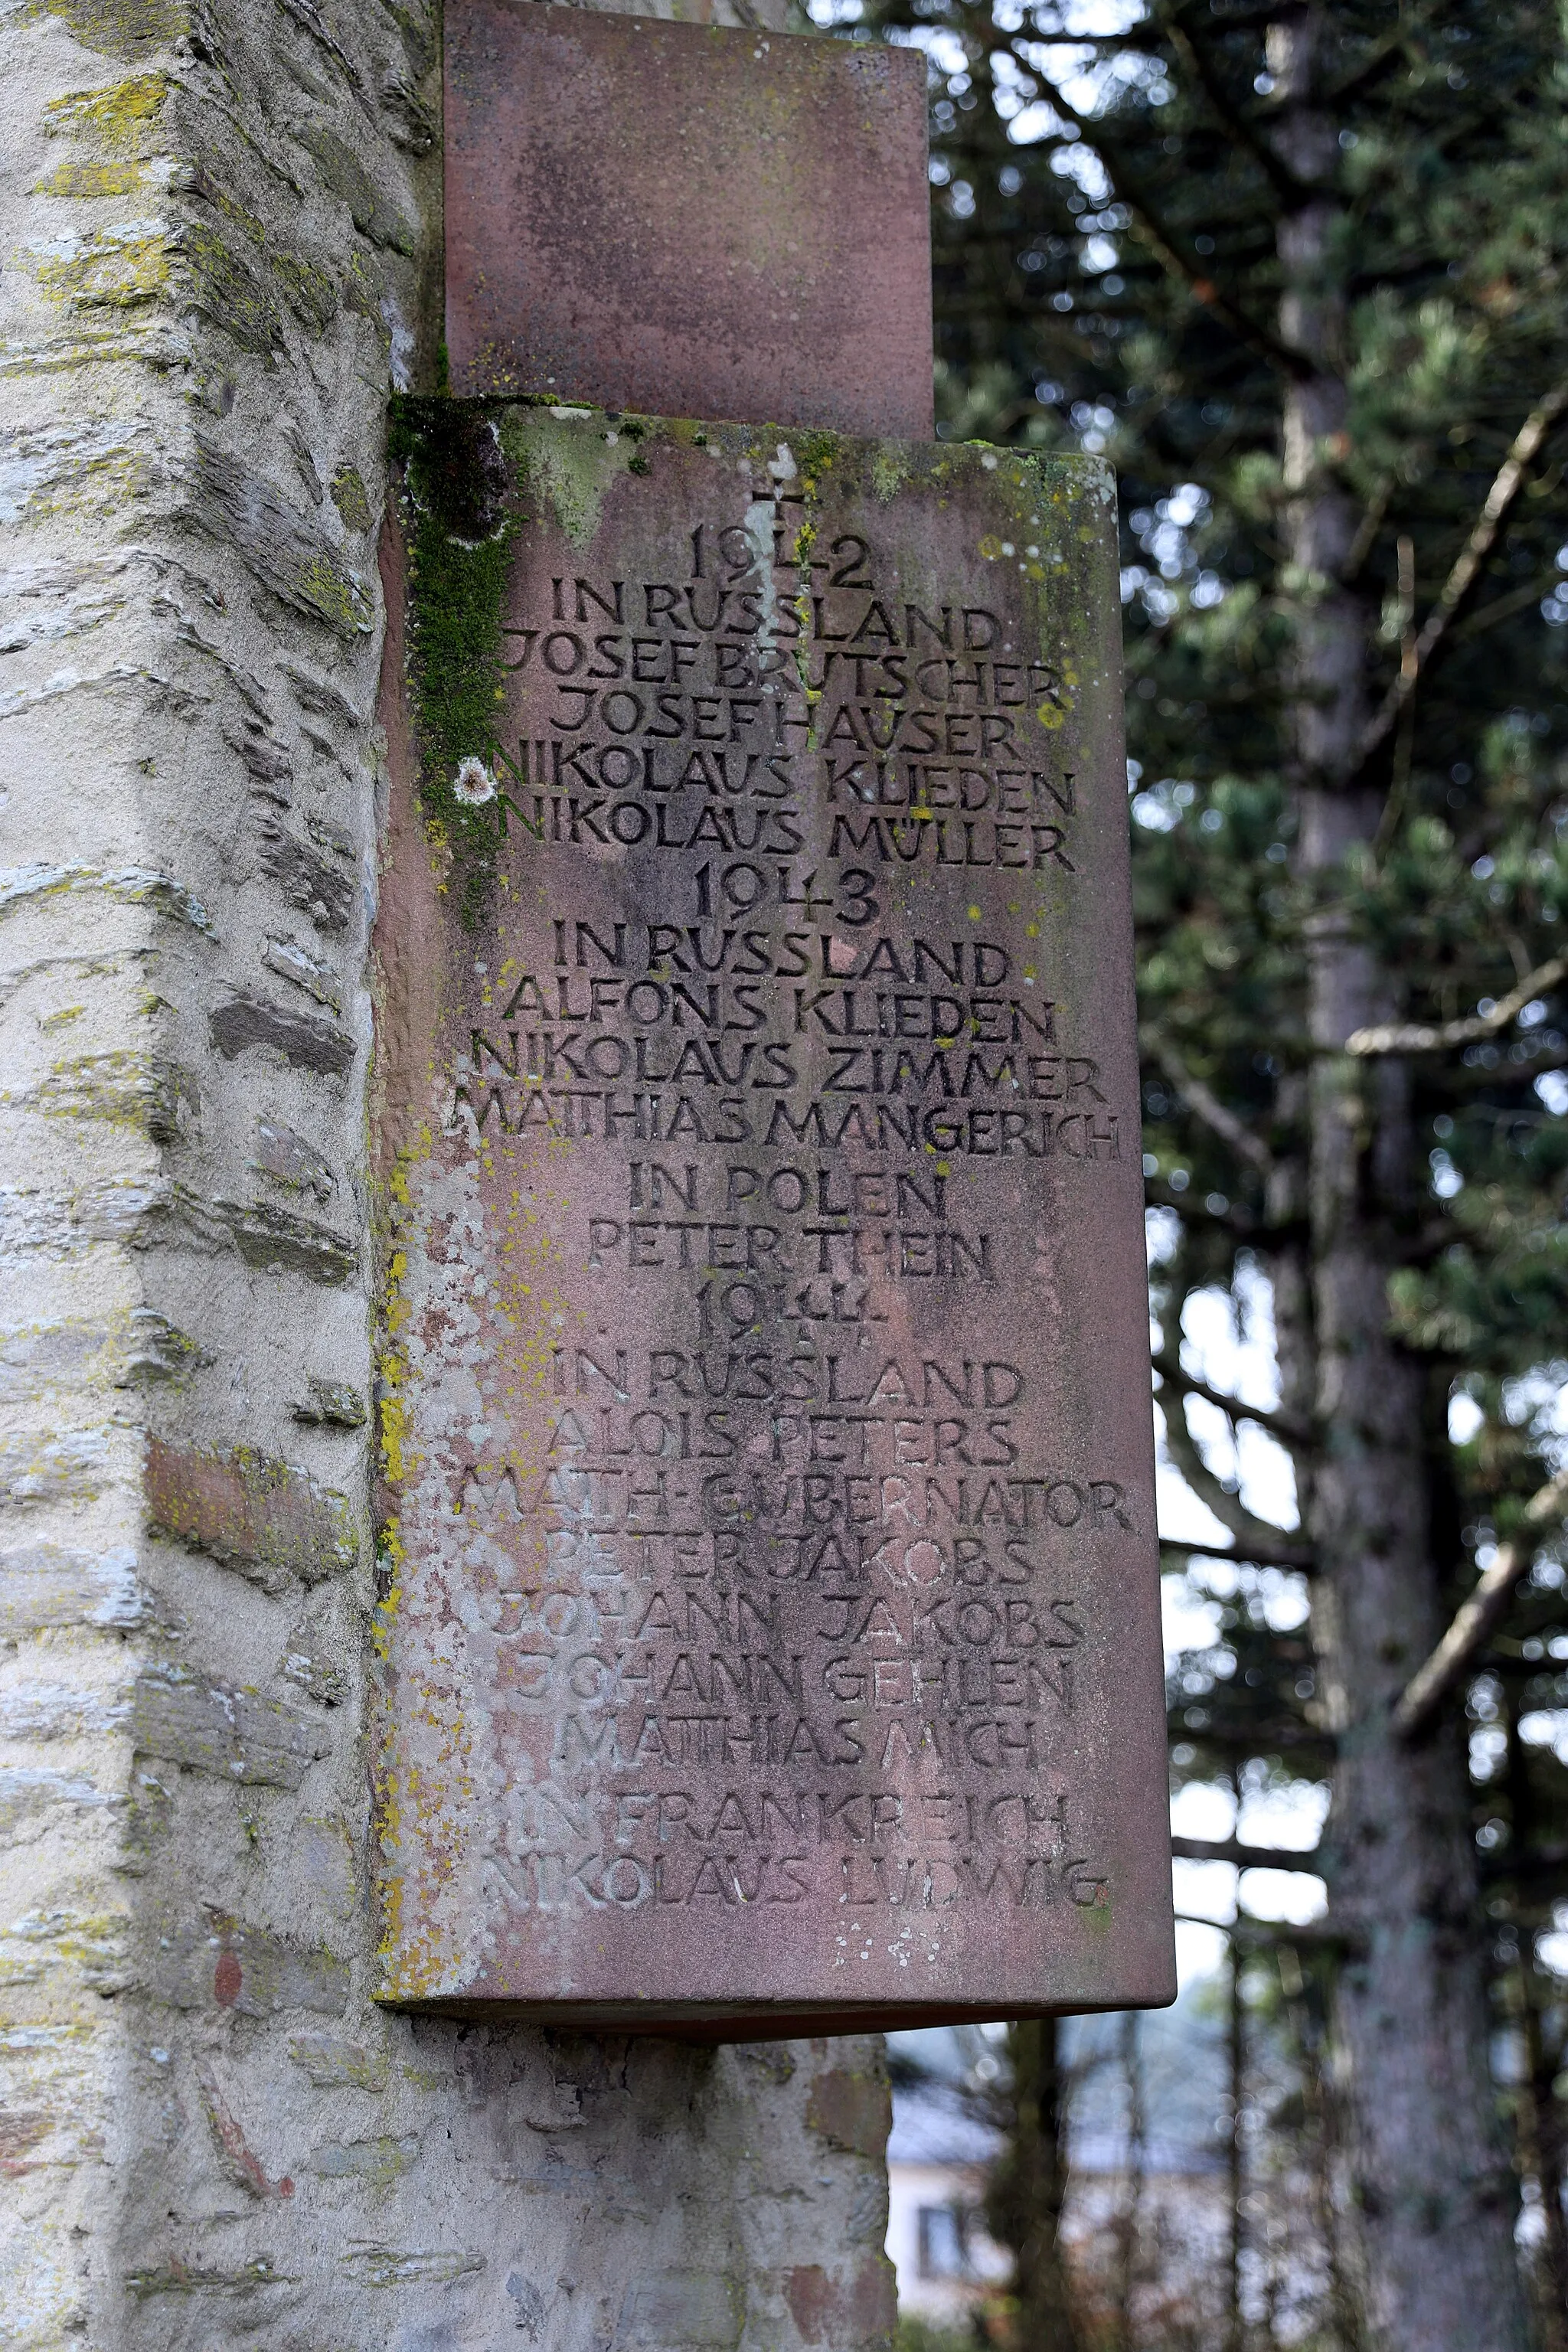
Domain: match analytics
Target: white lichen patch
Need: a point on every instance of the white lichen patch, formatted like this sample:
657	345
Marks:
473	783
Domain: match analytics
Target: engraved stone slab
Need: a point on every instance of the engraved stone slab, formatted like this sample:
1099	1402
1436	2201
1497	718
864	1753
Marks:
773	1640
687	219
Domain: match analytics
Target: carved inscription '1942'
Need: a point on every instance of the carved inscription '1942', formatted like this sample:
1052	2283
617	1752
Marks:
772	1630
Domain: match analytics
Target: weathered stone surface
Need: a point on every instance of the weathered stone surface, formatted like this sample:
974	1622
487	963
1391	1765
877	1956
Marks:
236	1734
851	2111
271	1520
303	1037
334	2065
773	1632
695	2308
833	2311
687	221
44	1585
224	1963
333	1404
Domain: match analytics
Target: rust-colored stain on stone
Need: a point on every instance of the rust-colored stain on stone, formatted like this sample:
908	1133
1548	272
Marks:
272	1521
832	2311
772	1635
687	220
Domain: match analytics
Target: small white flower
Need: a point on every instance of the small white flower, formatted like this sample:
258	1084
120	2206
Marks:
473	785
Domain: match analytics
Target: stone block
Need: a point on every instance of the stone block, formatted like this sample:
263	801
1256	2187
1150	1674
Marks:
687	220
832	2311
668	2310
237	1735
225	1963
267	1519
854	2112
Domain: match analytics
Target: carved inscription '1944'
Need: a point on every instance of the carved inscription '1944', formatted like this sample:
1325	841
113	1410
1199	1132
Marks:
773	1629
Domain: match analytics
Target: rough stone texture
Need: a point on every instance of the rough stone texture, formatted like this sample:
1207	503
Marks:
687	222
773	1593
215	225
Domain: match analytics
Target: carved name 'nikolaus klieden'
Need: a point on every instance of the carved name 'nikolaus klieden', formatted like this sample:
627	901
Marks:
772	1635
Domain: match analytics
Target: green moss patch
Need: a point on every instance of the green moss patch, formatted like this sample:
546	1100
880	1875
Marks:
459	520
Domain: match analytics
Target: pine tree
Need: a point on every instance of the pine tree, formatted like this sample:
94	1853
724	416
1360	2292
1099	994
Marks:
1300	269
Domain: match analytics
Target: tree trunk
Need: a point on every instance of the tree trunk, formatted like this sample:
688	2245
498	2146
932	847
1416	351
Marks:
1235	2052
1430	2181
1023	2206
1537	2133
1130	2219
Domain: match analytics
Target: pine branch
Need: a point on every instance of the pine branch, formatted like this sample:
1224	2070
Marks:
1254	1538
1465	577
1292	192
1244	1929
1386	54
1297	1559
1246	1858
1366	531
1161	239
1282	1425
1412	1038
1208	1105
1256	1740
1477	1617
1502	608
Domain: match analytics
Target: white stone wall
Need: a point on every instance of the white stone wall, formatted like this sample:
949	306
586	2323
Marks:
219	248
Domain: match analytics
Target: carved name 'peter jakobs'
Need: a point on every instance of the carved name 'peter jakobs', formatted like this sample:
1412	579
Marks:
772	1624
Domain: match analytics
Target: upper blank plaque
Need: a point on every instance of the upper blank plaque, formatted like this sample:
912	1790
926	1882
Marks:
687	221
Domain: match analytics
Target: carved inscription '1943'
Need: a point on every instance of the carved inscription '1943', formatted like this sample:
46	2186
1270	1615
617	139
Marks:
773	1626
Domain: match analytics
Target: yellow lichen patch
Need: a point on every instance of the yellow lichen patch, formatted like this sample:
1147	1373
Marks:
127	1089
393	1432
338	600
200	183
66	471
91	1942
130	29
350	498
227	292
82	179
113	269
890	469
116	120
85	347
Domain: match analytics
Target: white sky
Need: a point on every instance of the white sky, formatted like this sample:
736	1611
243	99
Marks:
1230	1346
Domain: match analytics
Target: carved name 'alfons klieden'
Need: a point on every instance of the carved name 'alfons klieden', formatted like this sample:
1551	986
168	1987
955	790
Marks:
772	1630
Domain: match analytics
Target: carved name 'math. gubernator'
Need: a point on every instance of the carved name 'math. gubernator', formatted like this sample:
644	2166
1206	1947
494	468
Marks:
772	1635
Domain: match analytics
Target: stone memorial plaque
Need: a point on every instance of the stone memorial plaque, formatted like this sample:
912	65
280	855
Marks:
687	218
773	1635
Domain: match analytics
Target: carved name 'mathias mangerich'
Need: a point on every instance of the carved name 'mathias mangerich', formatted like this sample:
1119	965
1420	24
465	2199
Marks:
772	1627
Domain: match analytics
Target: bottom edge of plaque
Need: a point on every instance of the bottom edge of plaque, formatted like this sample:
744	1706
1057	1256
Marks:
735	2021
